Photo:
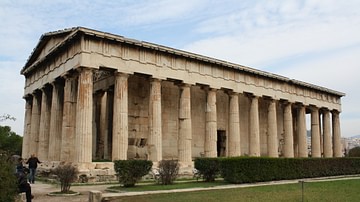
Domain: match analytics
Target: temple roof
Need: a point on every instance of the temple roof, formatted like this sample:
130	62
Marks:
61	37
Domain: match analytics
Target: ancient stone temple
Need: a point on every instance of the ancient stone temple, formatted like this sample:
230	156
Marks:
94	96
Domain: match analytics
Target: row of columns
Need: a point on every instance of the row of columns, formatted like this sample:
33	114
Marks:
58	125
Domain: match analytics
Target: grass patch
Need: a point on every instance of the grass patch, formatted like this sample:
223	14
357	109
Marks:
339	190
176	185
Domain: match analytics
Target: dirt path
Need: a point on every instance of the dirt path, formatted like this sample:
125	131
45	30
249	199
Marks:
40	191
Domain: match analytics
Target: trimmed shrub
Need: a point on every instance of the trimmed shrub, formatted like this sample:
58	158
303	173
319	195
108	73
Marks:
66	173
258	169
208	168
168	171
129	172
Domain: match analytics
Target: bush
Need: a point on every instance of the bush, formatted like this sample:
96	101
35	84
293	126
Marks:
8	181
258	169
129	172
354	152
168	171
67	174
208	168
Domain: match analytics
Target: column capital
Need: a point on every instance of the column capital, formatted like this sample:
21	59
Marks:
334	111
313	107
116	73
184	85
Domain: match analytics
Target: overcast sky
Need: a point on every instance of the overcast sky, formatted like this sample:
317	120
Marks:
316	41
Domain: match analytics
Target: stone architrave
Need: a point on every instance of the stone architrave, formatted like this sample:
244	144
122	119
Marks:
302	133
211	125
120	118
84	111
288	132
315	133
254	143
185	127
27	127
336	134
44	125
35	124
69	119
327	134
272	130
154	146
234	126
56	122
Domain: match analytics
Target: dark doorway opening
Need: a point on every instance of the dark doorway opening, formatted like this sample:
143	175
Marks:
221	143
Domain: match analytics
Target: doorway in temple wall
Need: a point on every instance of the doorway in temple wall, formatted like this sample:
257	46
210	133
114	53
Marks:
221	143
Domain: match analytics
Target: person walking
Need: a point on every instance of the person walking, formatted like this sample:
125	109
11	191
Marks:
33	162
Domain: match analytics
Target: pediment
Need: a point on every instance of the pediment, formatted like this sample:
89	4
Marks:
46	44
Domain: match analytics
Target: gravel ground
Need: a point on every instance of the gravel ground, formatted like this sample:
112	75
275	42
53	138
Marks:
40	191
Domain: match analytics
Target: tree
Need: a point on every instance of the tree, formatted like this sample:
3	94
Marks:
8	181
354	152
10	141
5	117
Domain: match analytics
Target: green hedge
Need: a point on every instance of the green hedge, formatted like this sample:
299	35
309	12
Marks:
129	172
208	168
258	169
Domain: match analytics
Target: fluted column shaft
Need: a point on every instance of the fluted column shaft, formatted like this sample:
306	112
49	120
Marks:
44	125
84	112
254	149
185	127
302	133
315	133
155	138
35	124
272	130
103	126
56	122
288	132
211	125
234	126
336	134
69	120
327	134
120	118
27	127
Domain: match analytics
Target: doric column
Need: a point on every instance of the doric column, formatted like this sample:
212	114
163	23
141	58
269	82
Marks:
69	119
234	126
35	124
327	134
315	133
27	126
288	132
185	127
155	142
56	121
272	130
302	133
120	117
44	125
103	140
211	125
109	120
336	134
254	144
84	112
